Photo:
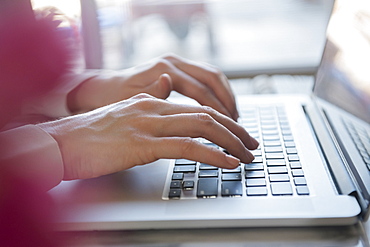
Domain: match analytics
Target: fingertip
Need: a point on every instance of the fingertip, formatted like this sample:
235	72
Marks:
232	161
250	157
235	116
165	84
254	143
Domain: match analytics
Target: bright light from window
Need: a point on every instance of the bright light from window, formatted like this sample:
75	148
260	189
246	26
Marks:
70	8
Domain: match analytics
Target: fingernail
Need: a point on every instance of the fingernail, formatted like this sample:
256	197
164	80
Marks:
232	161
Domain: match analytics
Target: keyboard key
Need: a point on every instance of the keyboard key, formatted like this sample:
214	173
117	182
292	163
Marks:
289	144
302	190
299	181
272	143
288	138
188	185
269	118
251	130
281	188
295	165
270	132
297	173
232	177
207	187
257	160
184	162
256	152
254	174
236	170
279	162
252	182
279	178
277	169
178	176
208	173
284	126
286	132
291	151
268	122
250	125
269	127
256	191
175	185
204	166
174	193
293	157
253	167
274	156
273	149
271	138
184	168
231	188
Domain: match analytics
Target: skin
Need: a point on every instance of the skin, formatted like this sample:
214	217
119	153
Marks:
117	130
202	82
143	129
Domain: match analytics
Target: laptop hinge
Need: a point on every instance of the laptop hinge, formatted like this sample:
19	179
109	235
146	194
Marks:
335	160
361	193
329	152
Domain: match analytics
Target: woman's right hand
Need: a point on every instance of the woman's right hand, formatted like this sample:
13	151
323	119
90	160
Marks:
143	129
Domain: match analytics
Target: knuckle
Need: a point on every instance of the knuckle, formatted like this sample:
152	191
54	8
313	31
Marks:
187	144
142	96
208	110
205	91
150	104
169	56
205	119
145	103
215	73
163	64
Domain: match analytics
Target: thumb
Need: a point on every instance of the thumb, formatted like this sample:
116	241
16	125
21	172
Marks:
161	88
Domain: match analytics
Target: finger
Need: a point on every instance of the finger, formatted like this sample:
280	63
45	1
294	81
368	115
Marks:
192	88
212	78
171	109
188	148
232	107
203	125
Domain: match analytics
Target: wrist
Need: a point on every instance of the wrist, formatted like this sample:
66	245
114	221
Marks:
97	91
84	98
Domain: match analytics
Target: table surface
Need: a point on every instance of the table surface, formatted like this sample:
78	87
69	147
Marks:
355	235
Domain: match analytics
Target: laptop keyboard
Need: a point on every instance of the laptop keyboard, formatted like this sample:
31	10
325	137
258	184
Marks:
275	171
361	138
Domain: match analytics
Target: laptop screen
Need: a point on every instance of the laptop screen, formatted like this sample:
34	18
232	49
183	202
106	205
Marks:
343	77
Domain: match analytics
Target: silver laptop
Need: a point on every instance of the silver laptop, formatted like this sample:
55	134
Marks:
312	167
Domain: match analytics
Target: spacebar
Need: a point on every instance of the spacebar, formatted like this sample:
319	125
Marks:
207	187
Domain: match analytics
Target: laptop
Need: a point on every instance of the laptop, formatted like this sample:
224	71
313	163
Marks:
312	167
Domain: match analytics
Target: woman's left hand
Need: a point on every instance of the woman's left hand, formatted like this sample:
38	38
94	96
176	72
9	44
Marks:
202	82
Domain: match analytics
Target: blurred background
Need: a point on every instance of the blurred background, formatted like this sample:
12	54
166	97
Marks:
242	37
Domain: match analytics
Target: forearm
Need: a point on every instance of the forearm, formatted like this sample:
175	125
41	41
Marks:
31	154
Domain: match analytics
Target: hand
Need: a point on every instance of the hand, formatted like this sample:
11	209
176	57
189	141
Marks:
144	129
204	83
